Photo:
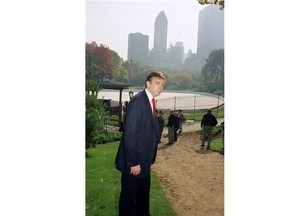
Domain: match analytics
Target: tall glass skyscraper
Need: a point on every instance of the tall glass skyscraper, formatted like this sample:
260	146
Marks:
210	31
158	53
138	47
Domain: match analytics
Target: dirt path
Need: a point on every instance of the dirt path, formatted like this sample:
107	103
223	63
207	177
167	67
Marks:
193	180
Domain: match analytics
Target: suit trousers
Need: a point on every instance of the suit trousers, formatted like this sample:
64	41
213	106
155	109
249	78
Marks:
171	135
134	196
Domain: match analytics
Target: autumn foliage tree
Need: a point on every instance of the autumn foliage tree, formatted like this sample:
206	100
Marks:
98	62
98	67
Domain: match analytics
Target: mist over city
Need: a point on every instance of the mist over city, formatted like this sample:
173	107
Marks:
174	37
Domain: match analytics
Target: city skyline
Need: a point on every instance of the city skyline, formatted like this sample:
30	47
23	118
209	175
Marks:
110	23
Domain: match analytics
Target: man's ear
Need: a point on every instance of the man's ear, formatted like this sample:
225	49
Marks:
147	83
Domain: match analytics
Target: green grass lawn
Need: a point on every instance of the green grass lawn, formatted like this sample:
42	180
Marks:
217	145
197	116
103	185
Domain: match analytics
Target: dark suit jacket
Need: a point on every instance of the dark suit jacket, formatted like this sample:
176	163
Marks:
173	120
139	139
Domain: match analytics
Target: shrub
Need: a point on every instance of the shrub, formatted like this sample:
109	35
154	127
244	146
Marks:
96	121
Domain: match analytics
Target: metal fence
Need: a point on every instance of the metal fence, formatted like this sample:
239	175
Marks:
191	103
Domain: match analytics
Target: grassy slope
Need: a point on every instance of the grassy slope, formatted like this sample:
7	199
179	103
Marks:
103	185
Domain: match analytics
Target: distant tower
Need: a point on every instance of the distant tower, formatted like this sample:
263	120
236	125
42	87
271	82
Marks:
158	53
179	52
210	31
138	47
175	56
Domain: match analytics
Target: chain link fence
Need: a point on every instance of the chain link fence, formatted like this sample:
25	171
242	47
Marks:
191	103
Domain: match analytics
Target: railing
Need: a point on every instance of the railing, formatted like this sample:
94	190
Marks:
190	103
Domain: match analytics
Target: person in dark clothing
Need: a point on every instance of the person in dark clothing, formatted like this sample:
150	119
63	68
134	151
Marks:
176	125
222	125
207	123
138	148
181	120
161	124
173	126
170	126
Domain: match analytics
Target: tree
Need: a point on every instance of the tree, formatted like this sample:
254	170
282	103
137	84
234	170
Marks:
182	80
98	62
213	72
219	2
137	71
119	73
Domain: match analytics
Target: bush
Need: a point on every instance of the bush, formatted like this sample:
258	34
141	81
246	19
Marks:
216	130
96	121
106	137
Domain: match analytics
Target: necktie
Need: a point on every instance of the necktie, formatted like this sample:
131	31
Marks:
154	109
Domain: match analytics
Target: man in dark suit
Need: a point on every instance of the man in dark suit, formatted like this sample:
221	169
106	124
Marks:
138	148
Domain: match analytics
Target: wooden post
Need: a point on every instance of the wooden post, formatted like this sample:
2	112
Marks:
120	106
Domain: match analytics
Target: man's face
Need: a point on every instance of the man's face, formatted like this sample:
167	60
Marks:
155	86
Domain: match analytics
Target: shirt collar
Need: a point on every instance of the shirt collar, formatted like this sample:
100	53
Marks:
150	97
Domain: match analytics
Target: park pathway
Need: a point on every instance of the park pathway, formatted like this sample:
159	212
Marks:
192	126
193	180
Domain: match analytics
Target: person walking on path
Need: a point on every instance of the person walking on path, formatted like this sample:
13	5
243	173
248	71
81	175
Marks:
138	148
207	123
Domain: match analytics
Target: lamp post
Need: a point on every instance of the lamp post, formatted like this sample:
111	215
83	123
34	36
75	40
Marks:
130	70
131	94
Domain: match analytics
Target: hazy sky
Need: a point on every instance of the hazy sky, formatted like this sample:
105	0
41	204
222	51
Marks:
110	22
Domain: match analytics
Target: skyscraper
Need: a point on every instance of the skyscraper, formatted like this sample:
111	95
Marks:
210	31
138	47
175	56
158	53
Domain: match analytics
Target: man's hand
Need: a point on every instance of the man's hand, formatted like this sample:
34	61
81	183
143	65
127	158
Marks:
135	170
